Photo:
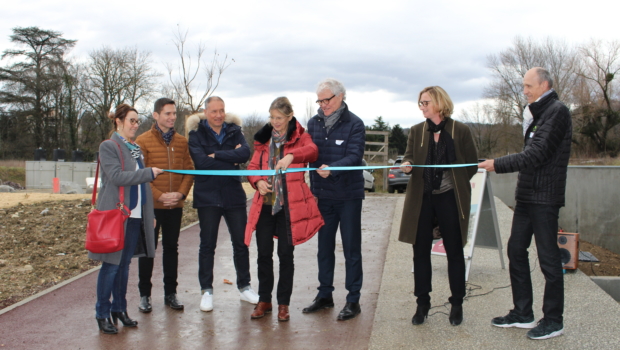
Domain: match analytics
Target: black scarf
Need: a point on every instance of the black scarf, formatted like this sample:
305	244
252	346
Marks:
440	152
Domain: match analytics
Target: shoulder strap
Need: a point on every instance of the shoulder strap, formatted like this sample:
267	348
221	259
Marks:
121	193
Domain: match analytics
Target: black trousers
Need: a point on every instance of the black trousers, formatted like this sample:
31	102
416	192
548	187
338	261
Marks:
541	221
444	207
348	215
236	219
169	221
268	227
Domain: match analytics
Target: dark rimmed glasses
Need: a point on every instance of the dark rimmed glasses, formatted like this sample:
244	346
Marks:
324	101
424	103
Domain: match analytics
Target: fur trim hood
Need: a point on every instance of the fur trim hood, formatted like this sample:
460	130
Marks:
193	120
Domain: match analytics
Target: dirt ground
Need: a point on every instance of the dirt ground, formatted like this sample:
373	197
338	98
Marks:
608	265
39	250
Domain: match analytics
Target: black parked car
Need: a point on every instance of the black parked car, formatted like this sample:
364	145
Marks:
397	179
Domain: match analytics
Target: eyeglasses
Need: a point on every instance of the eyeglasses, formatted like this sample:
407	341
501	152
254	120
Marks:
324	101
135	121
424	103
277	119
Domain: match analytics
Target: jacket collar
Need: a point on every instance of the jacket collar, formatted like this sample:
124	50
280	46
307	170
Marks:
294	131
537	107
345	116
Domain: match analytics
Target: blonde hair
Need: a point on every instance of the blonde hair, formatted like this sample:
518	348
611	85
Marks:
440	98
282	105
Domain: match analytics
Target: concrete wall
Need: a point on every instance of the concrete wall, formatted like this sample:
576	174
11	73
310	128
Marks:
592	202
39	174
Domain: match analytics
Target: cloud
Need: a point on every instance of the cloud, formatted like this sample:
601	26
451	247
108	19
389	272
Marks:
385	54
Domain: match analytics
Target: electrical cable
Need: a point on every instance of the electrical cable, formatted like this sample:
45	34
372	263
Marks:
470	287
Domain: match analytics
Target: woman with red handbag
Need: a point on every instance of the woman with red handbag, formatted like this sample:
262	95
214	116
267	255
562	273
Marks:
123	175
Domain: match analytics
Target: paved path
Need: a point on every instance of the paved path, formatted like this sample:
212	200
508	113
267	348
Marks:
64	318
591	318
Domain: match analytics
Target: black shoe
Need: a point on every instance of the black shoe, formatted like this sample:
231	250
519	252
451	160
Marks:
514	320
421	313
456	315
546	329
349	311
127	322
172	301
145	305
106	326
319	304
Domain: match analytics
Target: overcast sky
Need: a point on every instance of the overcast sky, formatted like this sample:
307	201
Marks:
384	52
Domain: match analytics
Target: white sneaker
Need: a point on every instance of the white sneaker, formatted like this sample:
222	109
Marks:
206	303
249	295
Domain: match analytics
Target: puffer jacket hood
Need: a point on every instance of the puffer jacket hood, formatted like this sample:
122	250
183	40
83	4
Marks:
191	124
214	190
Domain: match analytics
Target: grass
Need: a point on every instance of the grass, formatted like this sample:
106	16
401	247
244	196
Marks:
13	174
13	163
595	161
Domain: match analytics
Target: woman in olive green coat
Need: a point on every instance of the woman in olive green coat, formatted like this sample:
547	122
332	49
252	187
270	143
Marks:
438	196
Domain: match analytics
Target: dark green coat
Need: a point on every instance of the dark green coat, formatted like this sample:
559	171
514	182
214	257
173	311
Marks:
417	149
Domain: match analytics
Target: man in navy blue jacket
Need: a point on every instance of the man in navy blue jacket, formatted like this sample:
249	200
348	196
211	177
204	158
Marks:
217	143
340	136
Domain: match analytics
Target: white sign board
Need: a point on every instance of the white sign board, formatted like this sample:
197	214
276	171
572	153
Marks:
483	229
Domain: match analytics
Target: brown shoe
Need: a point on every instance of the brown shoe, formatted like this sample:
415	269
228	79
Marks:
261	309
283	314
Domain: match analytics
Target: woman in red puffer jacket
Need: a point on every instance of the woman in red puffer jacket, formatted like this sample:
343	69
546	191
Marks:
283	206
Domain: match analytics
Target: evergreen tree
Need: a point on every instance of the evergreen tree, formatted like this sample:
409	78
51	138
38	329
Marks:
32	81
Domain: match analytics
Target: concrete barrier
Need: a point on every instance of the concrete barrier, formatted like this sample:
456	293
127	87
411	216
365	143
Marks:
592	202
39	174
611	285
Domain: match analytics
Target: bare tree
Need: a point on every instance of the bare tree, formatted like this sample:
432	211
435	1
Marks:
598	113
309	112
485	127
142	76
185	77
251	125
509	67
115	76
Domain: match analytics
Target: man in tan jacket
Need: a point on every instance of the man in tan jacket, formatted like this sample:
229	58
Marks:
162	147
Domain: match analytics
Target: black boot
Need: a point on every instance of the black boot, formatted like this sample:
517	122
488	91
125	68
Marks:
456	315
106	326
145	304
421	313
127	322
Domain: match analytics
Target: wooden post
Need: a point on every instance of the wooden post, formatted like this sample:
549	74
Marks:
383	151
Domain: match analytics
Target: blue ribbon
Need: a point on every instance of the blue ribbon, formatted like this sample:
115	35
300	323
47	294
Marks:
297	170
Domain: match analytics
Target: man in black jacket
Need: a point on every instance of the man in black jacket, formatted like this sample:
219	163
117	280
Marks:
542	167
217	143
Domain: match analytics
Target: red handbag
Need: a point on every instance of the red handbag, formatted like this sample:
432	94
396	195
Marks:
105	231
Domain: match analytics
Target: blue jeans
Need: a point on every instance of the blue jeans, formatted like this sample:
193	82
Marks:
348	215
113	279
540	221
235	218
